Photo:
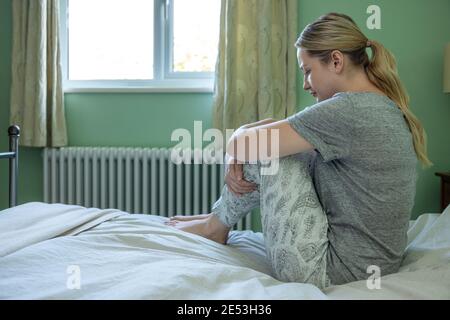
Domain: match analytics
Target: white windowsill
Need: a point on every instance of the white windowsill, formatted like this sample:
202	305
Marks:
138	89
168	86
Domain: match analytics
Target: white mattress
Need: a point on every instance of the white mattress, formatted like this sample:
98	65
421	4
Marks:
117	255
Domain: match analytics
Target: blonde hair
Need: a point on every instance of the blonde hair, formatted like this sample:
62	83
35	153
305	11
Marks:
335	31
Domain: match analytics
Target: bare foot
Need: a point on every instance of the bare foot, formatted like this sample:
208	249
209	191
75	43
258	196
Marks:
209	227
189	218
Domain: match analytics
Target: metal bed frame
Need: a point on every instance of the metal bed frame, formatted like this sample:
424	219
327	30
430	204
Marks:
13	156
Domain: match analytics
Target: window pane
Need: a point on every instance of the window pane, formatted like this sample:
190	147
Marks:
110	39
195	35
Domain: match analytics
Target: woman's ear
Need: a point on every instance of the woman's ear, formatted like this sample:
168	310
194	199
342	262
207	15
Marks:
337	61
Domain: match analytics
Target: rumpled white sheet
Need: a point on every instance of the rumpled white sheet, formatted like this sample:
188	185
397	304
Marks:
31	223
128	257
123	256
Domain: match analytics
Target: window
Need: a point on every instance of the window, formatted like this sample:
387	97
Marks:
139	44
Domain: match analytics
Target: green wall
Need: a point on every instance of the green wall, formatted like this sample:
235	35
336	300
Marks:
414	30
5	61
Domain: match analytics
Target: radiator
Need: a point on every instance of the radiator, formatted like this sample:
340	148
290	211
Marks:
135	180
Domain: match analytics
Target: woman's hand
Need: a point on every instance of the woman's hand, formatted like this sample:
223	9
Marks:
234	178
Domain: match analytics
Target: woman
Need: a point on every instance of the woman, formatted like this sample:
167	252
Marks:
361	144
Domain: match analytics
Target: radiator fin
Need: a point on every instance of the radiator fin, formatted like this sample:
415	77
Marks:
135	180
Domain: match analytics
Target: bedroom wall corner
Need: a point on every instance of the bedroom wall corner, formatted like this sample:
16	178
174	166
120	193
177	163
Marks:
30	161
5	79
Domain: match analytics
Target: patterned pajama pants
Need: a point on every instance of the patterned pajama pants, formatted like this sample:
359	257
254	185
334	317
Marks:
293	221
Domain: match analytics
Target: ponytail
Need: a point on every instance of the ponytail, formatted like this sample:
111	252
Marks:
335	31
382	72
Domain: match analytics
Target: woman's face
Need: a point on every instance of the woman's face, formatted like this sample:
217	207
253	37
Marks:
319	79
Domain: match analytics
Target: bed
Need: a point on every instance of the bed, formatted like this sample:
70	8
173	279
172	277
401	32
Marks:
117	255
59	251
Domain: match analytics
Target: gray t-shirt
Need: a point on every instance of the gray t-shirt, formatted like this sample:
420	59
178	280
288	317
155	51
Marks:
364	171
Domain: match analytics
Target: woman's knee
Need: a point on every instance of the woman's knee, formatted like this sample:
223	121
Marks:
253	171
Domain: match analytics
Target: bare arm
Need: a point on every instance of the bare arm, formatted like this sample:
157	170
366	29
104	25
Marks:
258	123
272	140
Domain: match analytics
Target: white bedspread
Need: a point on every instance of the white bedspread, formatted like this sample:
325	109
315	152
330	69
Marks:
124	256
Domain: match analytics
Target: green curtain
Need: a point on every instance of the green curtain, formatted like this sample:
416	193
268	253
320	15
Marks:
256	67
37	99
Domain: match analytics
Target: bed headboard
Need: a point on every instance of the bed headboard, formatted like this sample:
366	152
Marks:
13	156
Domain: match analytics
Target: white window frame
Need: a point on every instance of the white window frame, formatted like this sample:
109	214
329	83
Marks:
164	78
